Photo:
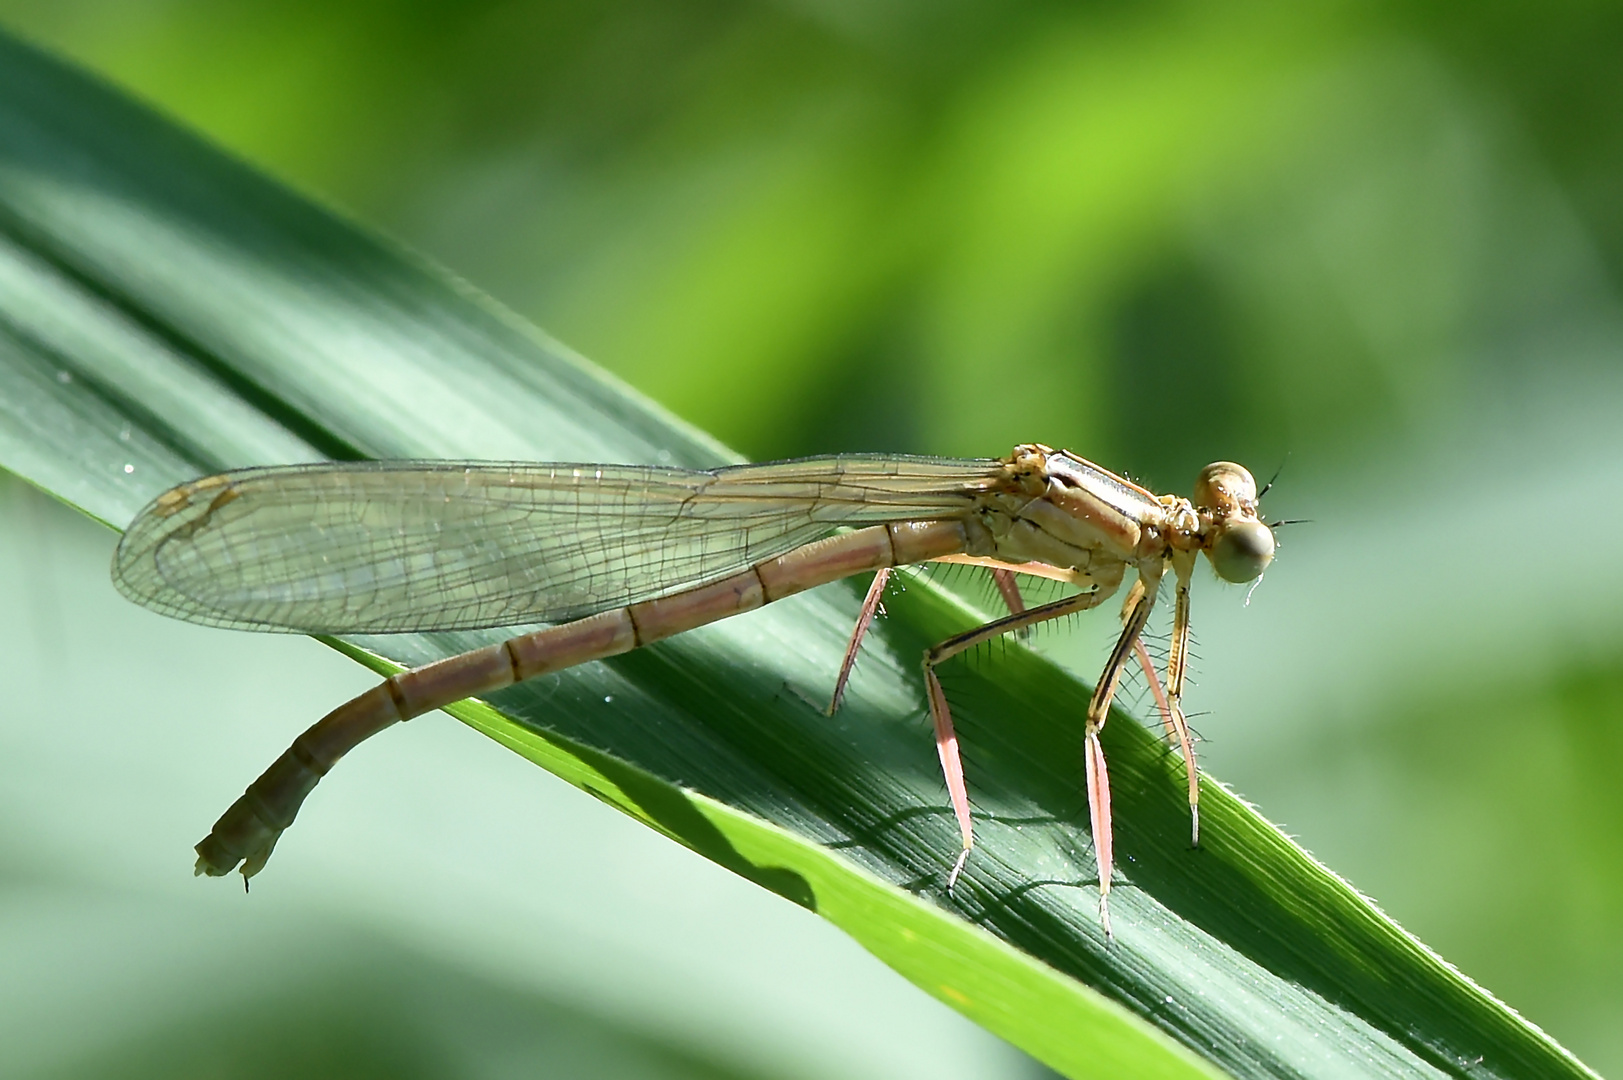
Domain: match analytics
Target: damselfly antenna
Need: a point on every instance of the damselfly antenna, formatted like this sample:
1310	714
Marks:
1272	478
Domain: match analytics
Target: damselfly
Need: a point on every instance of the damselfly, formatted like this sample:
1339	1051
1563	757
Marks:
618	556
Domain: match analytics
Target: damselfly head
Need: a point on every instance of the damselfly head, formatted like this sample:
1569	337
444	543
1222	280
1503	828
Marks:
1239	546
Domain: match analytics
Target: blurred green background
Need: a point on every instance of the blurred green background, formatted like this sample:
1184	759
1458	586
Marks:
1378	243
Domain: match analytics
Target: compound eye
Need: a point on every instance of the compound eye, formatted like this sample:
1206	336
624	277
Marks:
1242	551
1223	485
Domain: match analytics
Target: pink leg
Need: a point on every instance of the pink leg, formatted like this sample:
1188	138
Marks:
1156	689
1009	587
941	715
1176	728
1141	601
1099	819
870	606
952	767
1177	663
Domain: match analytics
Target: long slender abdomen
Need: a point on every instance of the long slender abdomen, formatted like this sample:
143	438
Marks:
247	832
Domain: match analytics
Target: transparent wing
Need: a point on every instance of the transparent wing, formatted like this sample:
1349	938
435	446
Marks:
393	547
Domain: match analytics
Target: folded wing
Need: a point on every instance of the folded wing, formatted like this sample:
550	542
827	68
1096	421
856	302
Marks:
394	547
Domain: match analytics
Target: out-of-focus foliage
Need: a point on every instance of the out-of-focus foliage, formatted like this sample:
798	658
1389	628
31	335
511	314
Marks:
1271	225
1381	238
350	1009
